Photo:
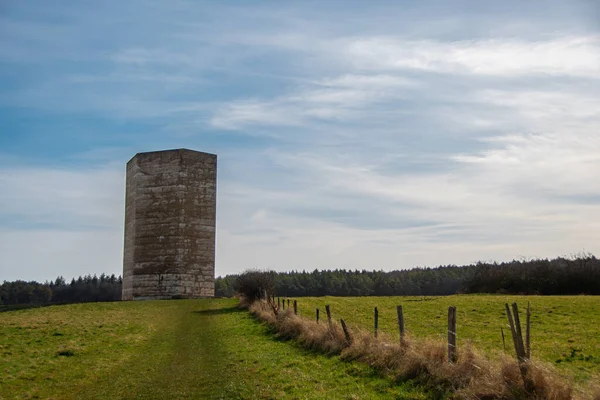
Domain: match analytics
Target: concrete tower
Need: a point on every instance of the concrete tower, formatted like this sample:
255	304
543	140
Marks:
170	208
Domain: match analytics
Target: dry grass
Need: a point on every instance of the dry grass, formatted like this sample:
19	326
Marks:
473	376
593	392
308	333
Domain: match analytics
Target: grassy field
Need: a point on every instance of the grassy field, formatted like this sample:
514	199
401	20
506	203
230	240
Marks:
210	349
565	329
194	349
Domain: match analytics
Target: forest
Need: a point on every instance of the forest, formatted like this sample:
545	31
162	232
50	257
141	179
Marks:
559	276
83	289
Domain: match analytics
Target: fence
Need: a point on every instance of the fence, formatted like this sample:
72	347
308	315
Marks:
522	347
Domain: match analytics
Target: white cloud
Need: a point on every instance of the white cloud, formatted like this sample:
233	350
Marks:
333	99
249	112
570	56
557	165
545	108
365	82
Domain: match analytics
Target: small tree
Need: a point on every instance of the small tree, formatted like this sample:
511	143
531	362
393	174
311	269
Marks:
254	284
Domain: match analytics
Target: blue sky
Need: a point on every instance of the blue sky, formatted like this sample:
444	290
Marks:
350	134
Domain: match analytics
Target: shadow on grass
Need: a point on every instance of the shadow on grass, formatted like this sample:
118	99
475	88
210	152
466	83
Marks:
273	335
17	307
219	311
423	299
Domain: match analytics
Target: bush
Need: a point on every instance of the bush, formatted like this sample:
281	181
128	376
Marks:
253	284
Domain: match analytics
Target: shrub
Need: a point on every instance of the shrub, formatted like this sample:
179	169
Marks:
253	284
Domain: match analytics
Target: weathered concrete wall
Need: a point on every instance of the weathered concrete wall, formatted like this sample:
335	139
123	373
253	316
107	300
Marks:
170	209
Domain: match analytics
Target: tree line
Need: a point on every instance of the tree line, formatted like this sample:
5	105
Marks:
559	276
83	289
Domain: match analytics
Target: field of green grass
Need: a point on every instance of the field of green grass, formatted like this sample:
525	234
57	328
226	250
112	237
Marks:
565	329
178	349
210	349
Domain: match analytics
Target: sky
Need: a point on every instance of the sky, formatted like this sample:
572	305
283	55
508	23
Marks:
375	135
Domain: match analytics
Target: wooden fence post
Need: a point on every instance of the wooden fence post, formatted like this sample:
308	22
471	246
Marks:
452	334
513	331
503	341
517	320
400	323
278	302
317	315
376	321
528	334
328	311
346	332
517	335
283	303
288	303
295	307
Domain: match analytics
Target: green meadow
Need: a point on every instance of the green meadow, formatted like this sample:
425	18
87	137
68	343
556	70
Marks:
210	349
177	349
565	330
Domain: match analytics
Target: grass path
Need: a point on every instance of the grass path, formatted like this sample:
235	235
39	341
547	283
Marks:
196	349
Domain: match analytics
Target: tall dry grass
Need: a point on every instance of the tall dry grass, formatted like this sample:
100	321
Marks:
472	376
